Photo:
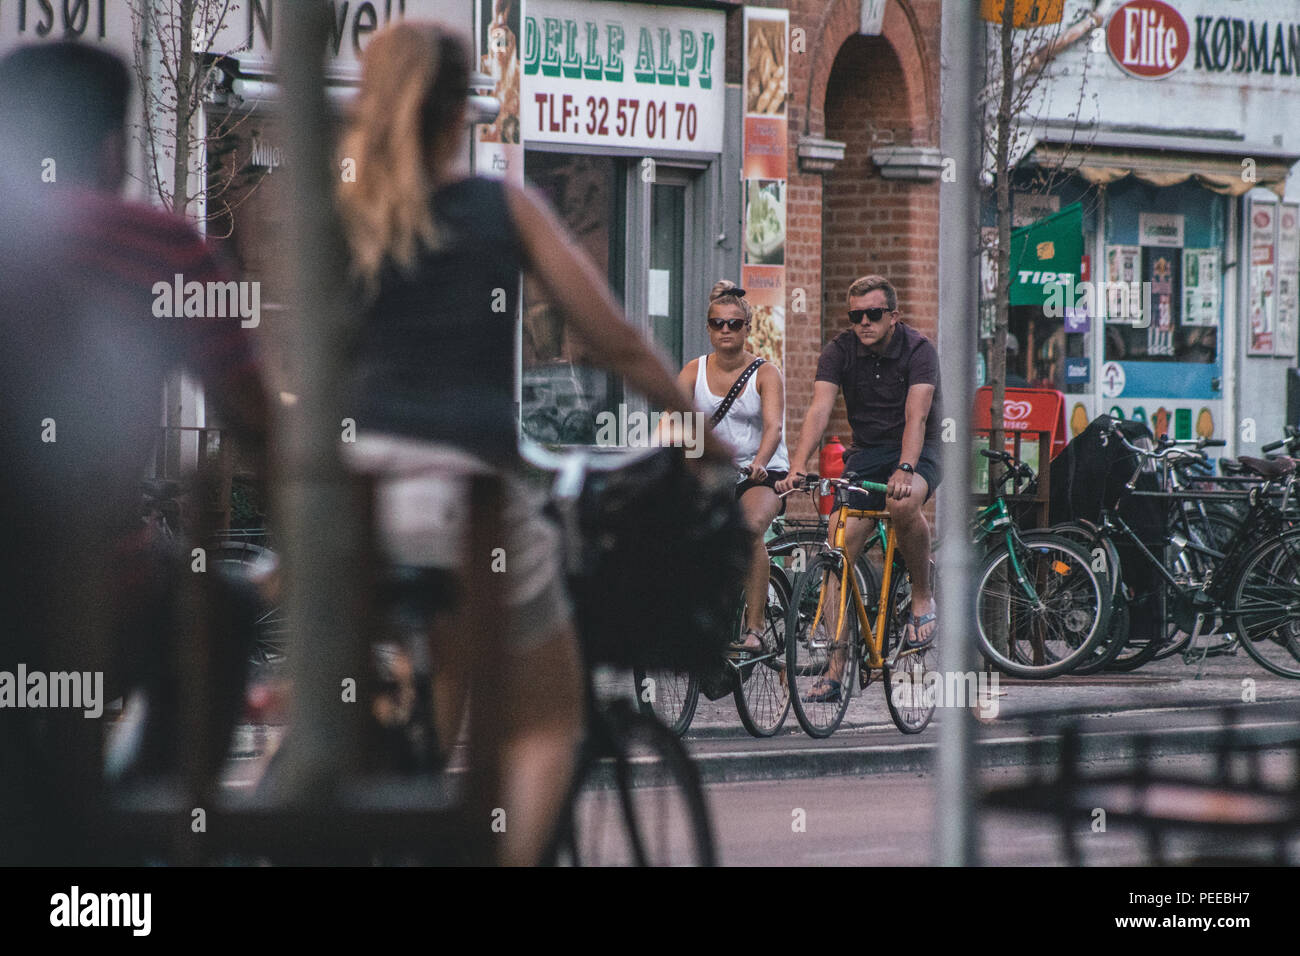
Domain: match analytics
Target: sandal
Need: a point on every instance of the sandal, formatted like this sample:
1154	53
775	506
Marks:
911	642
744	645
828	694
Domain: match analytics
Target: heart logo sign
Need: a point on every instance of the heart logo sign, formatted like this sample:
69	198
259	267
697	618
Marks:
1015	411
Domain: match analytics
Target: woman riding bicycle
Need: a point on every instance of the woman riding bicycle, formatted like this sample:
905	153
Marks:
752	422
434	253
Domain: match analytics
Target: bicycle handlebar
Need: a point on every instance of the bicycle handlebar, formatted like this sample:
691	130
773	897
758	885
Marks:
1167	447
812	480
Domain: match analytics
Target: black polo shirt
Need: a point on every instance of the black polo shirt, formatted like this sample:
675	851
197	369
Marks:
875	386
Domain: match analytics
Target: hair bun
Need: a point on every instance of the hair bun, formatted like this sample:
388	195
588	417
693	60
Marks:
725	287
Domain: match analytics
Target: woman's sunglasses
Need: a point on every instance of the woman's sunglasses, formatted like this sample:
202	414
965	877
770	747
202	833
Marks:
735	325
872	315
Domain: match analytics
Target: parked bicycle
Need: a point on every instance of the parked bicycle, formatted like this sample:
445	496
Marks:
1247	595
1041	609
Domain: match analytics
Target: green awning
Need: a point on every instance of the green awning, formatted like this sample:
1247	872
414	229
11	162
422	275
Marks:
1044	253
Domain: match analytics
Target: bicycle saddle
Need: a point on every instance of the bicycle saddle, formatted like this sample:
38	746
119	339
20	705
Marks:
1268	468
1231	466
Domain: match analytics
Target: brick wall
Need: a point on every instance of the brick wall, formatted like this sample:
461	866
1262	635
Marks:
851	222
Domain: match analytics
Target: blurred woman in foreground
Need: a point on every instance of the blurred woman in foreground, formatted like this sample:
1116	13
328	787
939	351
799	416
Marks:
436	256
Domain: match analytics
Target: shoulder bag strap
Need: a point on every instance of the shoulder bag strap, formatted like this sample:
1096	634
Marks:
720	412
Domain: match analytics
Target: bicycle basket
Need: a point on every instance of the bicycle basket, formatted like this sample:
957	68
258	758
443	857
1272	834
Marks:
662	555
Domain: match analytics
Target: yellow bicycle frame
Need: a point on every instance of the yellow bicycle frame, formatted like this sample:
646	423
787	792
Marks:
877	640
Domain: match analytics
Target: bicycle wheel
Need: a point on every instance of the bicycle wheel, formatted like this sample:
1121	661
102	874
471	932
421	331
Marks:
240	559
1049	635
820	664
637	799
909	691
670	696
762	693
1266	603
1104	555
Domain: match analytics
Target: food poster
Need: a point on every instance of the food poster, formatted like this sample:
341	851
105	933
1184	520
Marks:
1200	287
1263	274
1123	265
765	291
1288	278
1161	268
763	171
498	146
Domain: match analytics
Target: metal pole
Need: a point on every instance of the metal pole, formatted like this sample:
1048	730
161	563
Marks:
961	71
319	514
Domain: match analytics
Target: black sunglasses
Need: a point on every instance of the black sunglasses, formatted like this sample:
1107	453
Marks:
734	325
873	315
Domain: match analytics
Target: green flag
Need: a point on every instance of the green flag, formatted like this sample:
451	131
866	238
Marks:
1044	253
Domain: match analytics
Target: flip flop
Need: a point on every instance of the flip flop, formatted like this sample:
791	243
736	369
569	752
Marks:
917	623
830	695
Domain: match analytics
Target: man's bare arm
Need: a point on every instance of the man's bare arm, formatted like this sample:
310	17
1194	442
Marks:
811	431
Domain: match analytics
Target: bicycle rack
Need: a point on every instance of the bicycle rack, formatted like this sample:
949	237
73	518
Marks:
1227	806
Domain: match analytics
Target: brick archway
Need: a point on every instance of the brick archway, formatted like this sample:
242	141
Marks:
905	32
851	221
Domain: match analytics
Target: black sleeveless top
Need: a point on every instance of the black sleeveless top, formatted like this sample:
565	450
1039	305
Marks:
436	350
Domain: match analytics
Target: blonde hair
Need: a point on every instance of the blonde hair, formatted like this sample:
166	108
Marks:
870	284
721	294
413	82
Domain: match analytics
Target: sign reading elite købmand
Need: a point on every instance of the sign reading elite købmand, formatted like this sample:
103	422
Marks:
623	74
1147	38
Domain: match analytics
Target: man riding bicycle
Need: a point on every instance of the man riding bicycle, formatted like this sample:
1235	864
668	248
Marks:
889	374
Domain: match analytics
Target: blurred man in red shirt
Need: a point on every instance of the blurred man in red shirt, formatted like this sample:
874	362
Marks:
82	371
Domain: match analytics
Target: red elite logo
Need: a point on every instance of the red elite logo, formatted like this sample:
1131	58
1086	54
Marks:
1148	38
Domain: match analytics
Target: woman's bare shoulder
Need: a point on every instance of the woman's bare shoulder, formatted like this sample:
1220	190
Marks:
768	372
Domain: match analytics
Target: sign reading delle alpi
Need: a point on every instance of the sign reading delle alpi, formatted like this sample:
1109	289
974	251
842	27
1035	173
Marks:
623	74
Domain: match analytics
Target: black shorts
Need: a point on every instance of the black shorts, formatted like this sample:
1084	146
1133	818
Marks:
769	482
879	462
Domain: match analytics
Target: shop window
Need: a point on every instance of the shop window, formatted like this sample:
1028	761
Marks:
1170	333
561	393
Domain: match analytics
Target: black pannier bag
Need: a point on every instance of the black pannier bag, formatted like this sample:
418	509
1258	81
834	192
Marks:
1094	468
660	566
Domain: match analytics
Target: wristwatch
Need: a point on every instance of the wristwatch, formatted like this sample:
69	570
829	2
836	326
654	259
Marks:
907	468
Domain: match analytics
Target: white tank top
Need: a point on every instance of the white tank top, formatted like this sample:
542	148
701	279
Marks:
743	425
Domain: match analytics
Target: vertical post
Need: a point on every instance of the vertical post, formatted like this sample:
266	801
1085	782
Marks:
483	604
962	53
319	515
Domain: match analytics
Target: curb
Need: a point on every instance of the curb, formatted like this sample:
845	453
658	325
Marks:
1019	750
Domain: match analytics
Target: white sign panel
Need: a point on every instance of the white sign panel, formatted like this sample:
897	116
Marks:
100	22
1175	65
623	74
249	26
1160	229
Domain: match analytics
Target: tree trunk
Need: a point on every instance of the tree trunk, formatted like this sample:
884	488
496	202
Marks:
185	109
1002	304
